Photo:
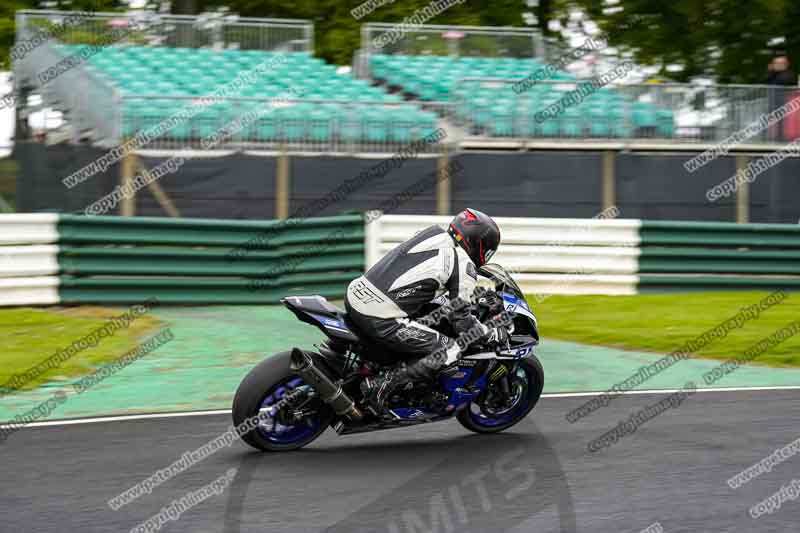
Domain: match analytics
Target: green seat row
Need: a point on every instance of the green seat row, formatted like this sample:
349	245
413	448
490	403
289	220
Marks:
302	121
193	71
494	108
355	110
508	118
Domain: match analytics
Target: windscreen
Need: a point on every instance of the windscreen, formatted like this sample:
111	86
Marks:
500	276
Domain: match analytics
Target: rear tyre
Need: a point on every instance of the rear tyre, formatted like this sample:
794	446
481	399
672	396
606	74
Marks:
527	386
267	382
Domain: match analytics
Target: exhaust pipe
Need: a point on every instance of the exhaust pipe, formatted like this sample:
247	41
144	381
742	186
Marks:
330	392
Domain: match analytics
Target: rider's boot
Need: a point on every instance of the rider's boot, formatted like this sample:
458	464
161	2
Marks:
378	388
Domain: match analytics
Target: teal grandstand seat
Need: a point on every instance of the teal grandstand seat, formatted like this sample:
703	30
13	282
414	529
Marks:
350	124
207	121
376	123
643	115
666	122
265	128
502	121
598	119
293	120
571	121
427	123
321	124
401	120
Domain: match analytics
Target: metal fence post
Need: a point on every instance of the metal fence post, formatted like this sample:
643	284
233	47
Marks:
742	193
127	206
282	184
609	189
442	183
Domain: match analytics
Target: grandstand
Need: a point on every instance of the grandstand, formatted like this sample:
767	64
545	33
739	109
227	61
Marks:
481	89
129	87
154	81
469	74
462	80
458	67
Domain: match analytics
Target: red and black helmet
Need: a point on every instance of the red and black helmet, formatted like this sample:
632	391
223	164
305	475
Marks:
477	234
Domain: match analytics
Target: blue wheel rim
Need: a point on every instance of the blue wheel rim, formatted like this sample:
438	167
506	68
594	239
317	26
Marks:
482	419
281	434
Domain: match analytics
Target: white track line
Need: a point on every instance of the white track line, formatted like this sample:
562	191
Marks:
76	421
665	391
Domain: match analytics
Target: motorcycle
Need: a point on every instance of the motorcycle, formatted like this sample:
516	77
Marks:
292	397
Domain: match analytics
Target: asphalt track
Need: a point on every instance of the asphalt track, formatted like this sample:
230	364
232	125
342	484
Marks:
538	477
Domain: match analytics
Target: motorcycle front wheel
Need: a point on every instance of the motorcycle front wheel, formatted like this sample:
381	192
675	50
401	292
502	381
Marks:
483	415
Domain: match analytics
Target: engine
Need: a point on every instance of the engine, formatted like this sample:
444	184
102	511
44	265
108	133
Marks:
422	396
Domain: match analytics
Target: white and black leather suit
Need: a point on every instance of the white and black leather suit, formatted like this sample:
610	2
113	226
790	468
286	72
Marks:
429	267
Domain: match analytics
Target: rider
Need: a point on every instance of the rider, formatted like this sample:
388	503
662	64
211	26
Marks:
433	265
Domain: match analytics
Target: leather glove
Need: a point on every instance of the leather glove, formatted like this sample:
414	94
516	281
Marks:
498	334
490	300
498	337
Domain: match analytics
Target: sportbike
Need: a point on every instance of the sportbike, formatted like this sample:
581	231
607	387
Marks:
295	395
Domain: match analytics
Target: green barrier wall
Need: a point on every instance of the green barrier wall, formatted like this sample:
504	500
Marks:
718	256
719	234
119	260
126	260
78	229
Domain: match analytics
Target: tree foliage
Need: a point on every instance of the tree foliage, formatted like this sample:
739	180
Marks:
8	28
337	33
729	40
8	8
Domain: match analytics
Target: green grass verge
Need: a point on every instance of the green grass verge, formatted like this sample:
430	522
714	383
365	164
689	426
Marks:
663	322
30	336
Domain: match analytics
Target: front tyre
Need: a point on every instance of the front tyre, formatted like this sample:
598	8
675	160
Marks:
274	392
482	416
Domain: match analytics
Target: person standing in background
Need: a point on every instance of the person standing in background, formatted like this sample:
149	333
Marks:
780	73
782	77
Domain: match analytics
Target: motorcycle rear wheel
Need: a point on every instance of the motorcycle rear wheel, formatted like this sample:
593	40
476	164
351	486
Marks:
266	383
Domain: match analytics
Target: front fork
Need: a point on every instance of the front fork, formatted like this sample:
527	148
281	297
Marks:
500	375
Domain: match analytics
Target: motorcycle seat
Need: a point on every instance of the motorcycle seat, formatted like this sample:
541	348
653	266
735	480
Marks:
318	305
315	304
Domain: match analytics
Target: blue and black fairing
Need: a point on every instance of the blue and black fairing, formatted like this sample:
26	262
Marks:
319	312
526	327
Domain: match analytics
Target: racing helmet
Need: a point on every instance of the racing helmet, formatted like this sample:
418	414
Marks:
477	234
